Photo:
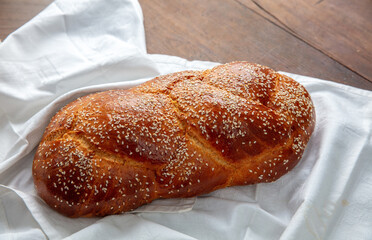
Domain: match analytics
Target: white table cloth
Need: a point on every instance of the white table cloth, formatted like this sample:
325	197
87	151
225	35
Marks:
73	48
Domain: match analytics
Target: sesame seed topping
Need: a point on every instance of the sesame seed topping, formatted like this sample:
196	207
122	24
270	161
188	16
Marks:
175	132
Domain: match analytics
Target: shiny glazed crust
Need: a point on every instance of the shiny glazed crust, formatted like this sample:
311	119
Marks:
178	135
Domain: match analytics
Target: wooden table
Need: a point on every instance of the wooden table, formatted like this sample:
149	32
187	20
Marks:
325	39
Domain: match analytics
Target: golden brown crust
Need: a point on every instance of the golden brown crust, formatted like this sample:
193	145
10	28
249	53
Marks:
179	135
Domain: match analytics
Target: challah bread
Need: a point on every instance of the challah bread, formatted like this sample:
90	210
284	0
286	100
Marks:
179	135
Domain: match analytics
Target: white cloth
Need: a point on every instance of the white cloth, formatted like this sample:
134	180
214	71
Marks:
77	47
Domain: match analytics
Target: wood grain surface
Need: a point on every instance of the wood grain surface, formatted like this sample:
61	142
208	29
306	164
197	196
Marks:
329	39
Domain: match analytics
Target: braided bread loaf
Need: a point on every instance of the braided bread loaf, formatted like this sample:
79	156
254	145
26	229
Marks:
178	135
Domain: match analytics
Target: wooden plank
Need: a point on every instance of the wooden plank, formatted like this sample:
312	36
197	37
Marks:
256	8
224	31
15	13
342	29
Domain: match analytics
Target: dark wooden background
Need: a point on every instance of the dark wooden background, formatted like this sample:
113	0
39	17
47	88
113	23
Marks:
330	39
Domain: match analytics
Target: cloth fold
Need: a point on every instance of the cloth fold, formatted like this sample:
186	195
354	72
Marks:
75	48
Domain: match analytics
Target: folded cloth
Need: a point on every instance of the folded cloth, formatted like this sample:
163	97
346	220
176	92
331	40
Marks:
75	48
